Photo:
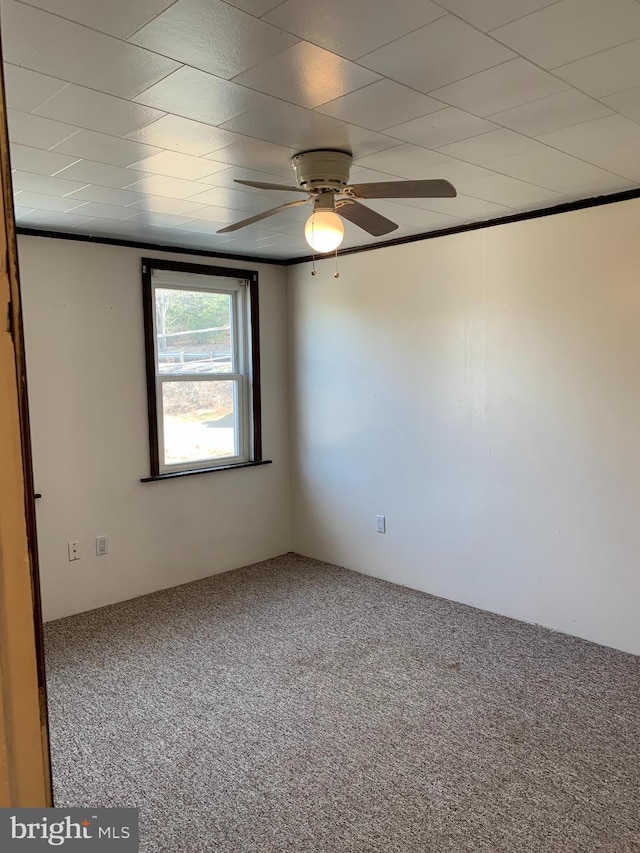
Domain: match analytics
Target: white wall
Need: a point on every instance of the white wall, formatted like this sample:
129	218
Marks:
87	390
481	390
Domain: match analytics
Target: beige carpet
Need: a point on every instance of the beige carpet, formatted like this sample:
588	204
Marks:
296	707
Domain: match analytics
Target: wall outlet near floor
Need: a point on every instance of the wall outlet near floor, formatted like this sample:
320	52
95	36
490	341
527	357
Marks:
101	545
381	524
74	551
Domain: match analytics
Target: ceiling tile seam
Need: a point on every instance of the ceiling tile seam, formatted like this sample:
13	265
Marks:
439	150
159	80
79	190
234	80
148	174
190	214
84	203
480	32
550	71
595	53
522	17
383	77
537	137
519	18
455	141
29	58
492	116
613	110
509	47
355	61
224	80
340	124
115	136
458	80
489	117
445	12
99	91
269	11
598	98
555	68
46	101
488	167
139	207
125	139
415	118
564	192
274	56
151	20
100	163
68	166
75	133
519	180
583	121
567	191
582	159
231	6
75	23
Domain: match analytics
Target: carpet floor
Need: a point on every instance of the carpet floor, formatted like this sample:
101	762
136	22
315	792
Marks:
296	707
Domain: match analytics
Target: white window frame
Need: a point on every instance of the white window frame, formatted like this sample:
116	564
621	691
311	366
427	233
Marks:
242	364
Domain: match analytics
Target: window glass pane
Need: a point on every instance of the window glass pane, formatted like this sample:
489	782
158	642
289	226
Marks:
193	331
199	421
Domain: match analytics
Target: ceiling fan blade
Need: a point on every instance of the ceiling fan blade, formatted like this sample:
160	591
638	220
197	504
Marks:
369	220
405	189
260	185
264	215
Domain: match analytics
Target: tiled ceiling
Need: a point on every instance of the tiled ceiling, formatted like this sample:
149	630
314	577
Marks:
132	119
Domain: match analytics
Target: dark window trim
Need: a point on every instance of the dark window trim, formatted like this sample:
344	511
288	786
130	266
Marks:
172	475
149	264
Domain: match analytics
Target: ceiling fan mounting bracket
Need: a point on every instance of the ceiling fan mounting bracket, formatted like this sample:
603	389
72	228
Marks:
322	170
324	200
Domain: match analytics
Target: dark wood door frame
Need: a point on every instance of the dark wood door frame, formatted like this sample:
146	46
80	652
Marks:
25	777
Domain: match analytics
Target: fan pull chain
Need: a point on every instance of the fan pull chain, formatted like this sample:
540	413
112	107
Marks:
336	273
313	264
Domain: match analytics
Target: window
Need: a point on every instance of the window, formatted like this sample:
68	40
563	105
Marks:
203	383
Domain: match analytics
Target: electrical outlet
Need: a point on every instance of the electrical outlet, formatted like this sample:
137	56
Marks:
101	545
381	524
74	551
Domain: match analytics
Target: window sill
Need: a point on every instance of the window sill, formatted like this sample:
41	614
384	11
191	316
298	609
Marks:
173	474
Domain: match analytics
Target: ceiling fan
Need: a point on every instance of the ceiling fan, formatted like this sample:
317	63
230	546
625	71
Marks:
323	176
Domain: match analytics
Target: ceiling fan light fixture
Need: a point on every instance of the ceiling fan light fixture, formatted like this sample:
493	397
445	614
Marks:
324	231
323	176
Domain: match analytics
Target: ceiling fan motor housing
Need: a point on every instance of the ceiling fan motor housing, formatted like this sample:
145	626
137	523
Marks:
322	170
